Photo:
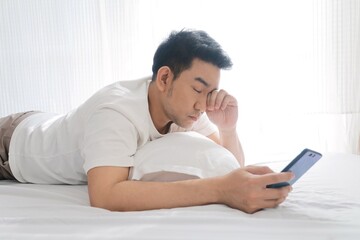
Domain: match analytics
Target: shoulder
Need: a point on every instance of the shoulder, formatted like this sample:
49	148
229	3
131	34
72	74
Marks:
137	86
127	98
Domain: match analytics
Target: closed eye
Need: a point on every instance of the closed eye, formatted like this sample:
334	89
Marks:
198	91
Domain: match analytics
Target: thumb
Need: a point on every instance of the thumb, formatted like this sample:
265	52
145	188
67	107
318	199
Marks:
258	170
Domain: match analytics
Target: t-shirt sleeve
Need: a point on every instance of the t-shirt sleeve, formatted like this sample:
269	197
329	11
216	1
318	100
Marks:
110	140
204	126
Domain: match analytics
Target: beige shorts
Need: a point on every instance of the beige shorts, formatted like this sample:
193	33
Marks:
7	127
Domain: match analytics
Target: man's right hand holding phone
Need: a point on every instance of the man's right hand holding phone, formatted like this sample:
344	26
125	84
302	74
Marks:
245	188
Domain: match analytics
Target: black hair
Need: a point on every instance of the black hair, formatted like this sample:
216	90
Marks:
181	48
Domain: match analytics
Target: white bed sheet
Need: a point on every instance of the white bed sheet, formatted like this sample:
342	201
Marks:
325	204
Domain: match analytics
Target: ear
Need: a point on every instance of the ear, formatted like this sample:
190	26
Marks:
164	78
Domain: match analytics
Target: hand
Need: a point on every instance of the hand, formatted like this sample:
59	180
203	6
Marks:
245	188
222	110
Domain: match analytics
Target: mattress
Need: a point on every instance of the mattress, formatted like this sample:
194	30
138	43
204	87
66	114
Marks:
325	204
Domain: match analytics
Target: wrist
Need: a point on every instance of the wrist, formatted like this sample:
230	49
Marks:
218	187
227	131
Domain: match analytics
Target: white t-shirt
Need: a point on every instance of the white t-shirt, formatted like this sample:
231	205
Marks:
106	130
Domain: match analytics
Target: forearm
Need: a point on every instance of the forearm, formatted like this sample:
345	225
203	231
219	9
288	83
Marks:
138	195
109	189
230	140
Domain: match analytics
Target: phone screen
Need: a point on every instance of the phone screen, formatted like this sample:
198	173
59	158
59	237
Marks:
300	165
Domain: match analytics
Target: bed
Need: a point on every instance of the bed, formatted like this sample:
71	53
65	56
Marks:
325	204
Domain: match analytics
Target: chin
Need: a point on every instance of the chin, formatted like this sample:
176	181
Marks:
187	125
184	123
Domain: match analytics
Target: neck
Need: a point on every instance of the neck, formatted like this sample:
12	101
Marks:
158	117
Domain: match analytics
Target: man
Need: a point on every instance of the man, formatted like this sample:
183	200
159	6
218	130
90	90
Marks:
96	142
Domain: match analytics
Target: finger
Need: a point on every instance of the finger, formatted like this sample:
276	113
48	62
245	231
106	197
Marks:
210	103
215	99
272	178
281	200
228	101
271	199
259	170
278	193
272	203
219	101
269	204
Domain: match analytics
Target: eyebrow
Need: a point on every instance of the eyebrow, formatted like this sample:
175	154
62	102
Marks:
202	81
206	84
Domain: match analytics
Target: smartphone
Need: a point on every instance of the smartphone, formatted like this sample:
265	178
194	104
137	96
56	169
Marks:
300	165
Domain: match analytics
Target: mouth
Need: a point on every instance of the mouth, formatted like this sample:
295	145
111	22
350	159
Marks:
194	117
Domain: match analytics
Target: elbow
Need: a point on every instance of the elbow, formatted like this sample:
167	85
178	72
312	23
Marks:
105	201
98	202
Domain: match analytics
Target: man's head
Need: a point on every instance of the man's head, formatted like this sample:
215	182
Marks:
180	49
186	69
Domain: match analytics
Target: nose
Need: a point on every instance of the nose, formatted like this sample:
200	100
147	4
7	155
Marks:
200	105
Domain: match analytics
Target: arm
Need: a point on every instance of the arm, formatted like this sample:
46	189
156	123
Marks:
231	142
222	110
243	189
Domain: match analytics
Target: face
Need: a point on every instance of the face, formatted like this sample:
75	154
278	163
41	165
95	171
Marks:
186	96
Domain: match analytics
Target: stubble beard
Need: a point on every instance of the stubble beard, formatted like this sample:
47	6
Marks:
170	114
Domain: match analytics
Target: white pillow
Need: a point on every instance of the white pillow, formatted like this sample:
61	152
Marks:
180	156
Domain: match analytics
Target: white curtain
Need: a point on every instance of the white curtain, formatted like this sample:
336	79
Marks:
296	63
337	72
